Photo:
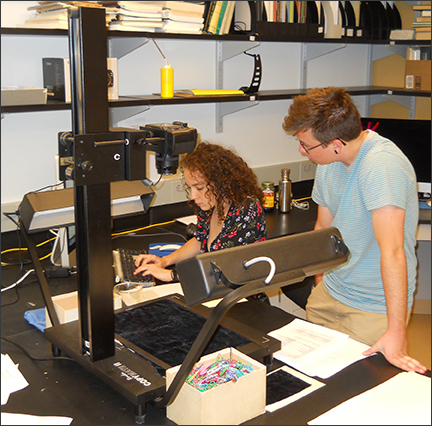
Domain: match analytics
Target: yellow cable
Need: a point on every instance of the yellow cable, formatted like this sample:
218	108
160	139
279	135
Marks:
146	227
301	199
25	249
113	235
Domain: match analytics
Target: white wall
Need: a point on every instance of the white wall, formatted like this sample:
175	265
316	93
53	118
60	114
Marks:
29	140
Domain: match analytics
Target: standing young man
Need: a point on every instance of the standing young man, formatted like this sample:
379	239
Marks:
365	187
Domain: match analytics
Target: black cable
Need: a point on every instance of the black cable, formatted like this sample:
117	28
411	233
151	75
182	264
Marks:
34	358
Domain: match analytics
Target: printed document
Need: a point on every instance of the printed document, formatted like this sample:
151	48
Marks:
316	350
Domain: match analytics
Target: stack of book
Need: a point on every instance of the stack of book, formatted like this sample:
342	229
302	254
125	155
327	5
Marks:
148	16
182	17
54	14
422	23
219	17
134	15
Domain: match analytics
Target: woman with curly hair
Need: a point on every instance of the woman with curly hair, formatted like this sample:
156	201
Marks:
226	196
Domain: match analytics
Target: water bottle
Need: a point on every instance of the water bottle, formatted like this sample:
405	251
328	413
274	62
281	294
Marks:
285	191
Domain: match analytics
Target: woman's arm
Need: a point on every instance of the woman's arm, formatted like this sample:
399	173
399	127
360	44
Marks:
156	266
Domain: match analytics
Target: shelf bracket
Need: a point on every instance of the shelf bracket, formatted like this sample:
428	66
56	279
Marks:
229	49
317	50
223	109
118	114
380	51
119	47
406	101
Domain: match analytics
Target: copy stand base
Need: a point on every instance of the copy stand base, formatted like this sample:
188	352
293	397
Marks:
127	372
137	374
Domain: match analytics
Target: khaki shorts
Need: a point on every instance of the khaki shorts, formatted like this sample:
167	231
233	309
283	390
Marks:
365	327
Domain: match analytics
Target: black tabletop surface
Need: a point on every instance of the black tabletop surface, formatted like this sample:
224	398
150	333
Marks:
62	387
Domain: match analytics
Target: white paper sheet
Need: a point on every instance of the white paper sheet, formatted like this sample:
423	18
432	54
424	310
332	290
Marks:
316	350
404	399
187	219
26	419
12	378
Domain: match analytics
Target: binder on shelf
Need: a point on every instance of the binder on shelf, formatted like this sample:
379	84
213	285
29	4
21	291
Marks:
332	19
293	20
356	8
314	28
349	23
366	23
246	16
380	21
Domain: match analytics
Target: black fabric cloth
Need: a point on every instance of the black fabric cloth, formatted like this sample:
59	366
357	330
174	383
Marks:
167	330
281	385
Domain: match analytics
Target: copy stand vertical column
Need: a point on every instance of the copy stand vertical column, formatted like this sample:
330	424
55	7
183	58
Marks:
88	55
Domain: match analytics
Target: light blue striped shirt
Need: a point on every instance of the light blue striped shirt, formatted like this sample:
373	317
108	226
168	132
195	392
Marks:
380	176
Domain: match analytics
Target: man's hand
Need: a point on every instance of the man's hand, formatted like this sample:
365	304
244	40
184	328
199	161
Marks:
394	348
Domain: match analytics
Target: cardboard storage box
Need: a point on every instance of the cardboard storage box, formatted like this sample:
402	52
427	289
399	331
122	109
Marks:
229	403
66	307
418	75
12	96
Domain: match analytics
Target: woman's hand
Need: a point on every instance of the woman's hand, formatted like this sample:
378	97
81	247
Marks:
155	270
146	259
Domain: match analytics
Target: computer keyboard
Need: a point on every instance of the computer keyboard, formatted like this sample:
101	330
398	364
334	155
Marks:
124	263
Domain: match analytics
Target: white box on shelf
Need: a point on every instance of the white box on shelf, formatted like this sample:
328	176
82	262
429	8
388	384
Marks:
18	95
229	403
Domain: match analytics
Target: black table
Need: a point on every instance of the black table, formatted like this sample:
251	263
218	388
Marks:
60	387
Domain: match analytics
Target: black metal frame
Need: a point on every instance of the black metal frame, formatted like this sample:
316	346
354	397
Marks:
91	341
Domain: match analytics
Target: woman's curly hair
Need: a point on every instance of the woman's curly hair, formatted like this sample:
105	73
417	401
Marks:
228	177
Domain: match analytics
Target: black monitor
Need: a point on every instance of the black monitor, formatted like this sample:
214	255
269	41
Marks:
413	137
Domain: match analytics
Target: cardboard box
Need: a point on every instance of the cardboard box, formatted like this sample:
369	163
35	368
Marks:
12	96
418	75
229	403
66	307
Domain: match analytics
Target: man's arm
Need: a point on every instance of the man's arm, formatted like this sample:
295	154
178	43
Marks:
324	220
388	225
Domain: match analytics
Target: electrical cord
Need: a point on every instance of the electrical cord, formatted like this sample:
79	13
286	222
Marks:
26	249
35	358
17	282
301	203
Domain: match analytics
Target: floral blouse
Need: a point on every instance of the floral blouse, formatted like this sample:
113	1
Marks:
244	224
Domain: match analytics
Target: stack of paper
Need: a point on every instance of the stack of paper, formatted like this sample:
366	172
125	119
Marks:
316	350
134	15
182	17
54	15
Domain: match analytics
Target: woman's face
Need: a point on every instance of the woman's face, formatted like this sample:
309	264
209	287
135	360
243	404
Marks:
199	192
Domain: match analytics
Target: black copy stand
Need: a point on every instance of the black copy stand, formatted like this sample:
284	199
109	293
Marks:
100	156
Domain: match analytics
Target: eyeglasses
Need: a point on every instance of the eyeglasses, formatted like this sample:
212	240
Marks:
316	146
309	149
